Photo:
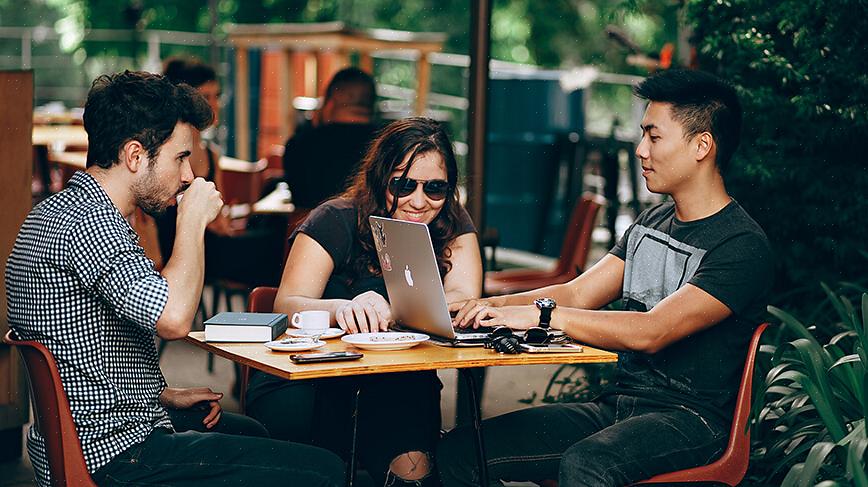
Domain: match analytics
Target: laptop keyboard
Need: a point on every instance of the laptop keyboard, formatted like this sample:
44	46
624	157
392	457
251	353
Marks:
465	331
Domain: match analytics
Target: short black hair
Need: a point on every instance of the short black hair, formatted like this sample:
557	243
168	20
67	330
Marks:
190	70
700	102
138	106
353	87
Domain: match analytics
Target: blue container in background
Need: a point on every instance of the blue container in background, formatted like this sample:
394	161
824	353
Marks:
528	114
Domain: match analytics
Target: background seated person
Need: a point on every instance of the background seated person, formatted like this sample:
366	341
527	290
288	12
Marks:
693	273
409	173
319	160
79	283
249	256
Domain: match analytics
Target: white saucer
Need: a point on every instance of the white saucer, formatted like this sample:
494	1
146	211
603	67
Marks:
390	340
292	346
329	333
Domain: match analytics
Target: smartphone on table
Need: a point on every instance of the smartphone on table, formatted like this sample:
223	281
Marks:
551	348
309	358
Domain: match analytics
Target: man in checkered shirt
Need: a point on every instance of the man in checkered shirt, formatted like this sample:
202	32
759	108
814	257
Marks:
78	282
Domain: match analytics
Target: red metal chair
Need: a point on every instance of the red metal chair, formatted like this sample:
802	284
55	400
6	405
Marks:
573	256
261	300
730	468
241	181
275	161
53	417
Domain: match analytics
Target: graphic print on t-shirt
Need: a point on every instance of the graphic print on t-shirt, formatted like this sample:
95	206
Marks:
656	266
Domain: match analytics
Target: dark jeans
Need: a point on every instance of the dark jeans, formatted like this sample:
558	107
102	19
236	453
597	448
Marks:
230	423
398	413
614	441
191	457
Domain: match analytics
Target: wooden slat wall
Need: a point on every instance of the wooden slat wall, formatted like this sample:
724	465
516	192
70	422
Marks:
16	169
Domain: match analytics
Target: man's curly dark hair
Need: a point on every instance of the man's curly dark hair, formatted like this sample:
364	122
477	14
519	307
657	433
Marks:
138	106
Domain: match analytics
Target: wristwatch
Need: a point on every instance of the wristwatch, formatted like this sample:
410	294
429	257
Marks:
545	306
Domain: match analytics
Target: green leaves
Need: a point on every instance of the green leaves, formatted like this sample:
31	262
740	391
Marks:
801	78
812	405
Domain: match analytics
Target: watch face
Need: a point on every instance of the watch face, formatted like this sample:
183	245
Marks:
545	303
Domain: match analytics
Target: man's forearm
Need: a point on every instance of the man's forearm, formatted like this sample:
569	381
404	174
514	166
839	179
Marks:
610	330
563	294
593	289
184	273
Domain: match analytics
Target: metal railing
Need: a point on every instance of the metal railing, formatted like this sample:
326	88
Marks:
66	76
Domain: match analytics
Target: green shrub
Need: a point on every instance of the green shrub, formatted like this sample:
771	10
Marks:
801	68
812	406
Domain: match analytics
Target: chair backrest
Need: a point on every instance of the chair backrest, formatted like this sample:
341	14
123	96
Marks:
275	156
53	417
241	181
275	162
577	238
732	465
261	300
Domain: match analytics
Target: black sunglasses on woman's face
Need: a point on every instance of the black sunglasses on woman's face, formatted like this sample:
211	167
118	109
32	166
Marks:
436	189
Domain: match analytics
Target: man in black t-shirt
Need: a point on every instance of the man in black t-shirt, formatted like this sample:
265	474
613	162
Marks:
693	274
318	161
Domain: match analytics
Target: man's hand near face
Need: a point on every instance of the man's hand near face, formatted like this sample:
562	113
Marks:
200	204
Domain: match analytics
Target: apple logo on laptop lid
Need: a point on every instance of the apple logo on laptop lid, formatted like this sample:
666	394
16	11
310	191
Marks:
408	275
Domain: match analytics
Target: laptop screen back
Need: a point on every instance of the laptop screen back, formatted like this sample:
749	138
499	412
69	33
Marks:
411	275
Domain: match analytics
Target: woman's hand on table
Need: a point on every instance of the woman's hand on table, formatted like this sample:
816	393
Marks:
204	397
368	312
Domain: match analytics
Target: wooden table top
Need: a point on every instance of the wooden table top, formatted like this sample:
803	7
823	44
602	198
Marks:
425	356
232	164
273	203
75	160
73	135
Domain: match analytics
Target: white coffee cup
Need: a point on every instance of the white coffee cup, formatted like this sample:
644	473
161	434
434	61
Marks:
312	321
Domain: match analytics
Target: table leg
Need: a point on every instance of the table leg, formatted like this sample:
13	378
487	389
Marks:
477	425
463	415
351	463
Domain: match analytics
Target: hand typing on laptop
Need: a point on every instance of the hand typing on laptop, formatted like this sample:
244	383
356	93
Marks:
366	313
465	312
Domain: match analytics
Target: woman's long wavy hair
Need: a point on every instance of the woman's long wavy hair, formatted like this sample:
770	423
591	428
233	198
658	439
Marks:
414	136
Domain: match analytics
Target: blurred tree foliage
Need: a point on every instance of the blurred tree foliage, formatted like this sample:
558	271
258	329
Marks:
802	70
564	33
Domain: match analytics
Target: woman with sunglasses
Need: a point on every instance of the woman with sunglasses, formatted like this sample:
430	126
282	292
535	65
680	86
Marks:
409	173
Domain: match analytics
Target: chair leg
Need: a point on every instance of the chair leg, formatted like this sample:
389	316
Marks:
201	313
464	403
162	348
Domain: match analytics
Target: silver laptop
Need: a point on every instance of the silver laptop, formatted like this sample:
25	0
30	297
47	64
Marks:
413	281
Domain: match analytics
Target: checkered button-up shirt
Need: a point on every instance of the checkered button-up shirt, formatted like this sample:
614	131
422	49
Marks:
78	282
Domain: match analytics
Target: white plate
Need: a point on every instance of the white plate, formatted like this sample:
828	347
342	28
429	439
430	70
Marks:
390	340
294	345
329	333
